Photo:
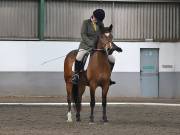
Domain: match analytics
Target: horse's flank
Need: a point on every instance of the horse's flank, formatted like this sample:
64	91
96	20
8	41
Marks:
68	63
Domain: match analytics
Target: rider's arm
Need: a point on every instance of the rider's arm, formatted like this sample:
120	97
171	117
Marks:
84	35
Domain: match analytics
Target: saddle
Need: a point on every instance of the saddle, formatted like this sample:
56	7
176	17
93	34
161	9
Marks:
85	61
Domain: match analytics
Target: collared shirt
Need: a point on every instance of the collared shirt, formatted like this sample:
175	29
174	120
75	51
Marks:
94	25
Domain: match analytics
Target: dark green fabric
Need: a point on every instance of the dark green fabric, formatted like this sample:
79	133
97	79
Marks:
88	35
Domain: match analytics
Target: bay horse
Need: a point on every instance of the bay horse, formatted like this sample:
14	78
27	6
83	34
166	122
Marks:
97	74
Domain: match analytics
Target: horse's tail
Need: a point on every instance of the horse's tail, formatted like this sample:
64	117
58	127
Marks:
75	97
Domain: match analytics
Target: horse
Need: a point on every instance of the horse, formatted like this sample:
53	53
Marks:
97	74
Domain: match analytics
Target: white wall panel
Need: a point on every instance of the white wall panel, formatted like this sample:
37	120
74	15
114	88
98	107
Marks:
177	57
167	57
28	56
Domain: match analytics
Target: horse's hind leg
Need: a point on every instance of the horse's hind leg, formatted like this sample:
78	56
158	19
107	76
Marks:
69	91
104	101
81	89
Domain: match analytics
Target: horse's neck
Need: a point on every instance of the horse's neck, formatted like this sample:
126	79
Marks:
99	46
100	54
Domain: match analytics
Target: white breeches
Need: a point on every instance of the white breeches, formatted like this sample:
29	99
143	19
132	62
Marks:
82	52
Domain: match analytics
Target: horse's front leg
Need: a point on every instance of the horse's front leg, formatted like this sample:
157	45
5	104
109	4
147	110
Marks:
78	110
69	90
92	104
104	101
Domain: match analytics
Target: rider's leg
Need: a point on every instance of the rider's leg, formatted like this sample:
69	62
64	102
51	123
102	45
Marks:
77	68
111	62
78	65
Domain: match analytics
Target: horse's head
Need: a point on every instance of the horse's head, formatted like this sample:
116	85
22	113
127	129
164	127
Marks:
105	38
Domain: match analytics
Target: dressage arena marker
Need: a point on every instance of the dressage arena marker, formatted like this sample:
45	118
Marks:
87	104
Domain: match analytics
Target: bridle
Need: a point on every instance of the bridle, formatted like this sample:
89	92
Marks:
106	45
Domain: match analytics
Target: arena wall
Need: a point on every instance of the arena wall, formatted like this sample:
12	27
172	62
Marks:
22	72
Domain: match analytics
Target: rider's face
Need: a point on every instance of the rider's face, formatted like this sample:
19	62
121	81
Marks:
94	19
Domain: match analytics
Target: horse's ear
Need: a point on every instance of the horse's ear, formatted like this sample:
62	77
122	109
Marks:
110	27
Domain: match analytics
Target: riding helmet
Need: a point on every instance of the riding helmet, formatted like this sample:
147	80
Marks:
99	14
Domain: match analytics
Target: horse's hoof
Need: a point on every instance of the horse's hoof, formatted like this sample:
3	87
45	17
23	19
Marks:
105	121
69	117
91	123
91	119
69	121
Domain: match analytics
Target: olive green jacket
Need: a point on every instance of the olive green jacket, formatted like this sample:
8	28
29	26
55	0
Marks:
89	35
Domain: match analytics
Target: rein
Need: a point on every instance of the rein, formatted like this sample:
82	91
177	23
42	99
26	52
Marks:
98	49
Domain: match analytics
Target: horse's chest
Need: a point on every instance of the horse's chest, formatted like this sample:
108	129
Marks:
98	71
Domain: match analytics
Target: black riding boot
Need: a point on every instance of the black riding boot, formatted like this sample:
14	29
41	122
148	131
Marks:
77	68
112	66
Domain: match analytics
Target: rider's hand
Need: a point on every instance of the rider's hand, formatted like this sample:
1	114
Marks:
115	47
118	49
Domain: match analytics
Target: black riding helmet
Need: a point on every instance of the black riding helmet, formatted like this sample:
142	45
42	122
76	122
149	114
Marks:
99	14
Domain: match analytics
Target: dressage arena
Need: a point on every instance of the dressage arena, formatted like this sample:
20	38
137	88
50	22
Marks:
37	35
132	116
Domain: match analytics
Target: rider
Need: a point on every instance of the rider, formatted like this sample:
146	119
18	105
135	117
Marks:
89	34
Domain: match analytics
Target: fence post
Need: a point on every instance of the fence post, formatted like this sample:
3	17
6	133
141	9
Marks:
41	19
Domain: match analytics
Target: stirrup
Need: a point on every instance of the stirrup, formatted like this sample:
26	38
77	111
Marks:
75	79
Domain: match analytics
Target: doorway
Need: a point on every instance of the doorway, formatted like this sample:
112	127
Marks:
149	72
